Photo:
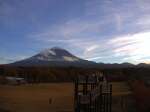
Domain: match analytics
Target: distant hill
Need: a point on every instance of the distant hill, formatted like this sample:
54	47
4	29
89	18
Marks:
58	57
115	65
143	65
57	64
55	57
123	65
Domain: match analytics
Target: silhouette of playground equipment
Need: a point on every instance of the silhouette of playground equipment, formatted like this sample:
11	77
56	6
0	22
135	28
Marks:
92	94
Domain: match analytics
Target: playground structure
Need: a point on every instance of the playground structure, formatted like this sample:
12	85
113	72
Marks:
92	94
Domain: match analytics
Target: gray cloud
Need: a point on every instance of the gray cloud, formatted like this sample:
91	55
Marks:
108	28
5	60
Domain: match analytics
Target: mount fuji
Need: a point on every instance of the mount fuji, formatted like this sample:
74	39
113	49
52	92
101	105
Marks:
55	57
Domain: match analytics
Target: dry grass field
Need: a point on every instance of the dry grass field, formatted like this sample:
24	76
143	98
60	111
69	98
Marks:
122	100
35	98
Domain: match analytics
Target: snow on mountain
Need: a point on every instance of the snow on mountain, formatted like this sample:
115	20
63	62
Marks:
67	58
55	54
54	57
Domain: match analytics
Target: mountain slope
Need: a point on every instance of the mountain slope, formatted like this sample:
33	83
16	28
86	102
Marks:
54	57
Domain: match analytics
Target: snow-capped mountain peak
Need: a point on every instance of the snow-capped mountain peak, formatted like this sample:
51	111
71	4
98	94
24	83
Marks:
54	57
55	54
48	51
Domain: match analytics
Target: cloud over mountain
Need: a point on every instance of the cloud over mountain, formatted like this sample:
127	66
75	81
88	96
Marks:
56	57
90	29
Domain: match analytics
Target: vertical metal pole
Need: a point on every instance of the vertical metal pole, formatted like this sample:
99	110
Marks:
86	85
110	105
76	98
79	104
90	104
100	98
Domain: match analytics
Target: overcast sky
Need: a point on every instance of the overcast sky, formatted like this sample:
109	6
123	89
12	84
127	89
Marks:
110	31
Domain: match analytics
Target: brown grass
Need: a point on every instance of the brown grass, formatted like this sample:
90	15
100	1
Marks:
35	98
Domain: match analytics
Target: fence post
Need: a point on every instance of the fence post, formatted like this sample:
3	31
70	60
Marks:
76	100
110	95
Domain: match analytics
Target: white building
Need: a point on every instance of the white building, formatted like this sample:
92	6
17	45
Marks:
15	80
